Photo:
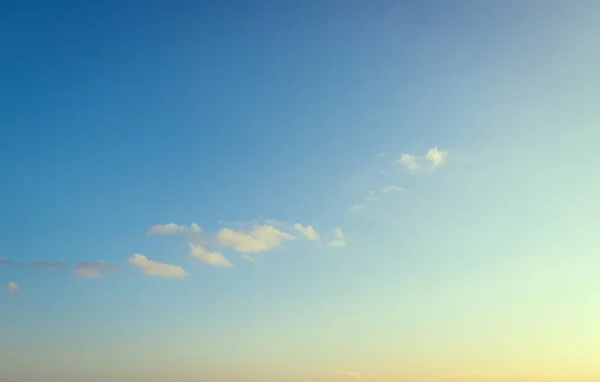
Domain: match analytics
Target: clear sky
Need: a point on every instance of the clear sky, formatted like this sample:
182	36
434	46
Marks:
300	191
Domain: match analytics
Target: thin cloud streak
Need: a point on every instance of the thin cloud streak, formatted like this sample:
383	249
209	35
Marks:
173	229
6	261
391	188
93	269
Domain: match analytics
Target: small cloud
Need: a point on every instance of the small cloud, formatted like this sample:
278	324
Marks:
429	162
307	231
371	195
358	208
93	269
5	261
391	189
248	257
213	258
436	157
48	264
259	238
154	268
339	241
13	287
338	232
336	243
173	229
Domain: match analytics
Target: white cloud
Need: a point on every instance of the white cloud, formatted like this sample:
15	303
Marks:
248	257
391	189
409	161
154	268
13	287
371	195
339	241
213	258
436	157
307	231
257	239
173	229
5	261
429	162
93	269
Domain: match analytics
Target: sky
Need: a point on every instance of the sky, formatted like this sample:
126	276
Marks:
302	191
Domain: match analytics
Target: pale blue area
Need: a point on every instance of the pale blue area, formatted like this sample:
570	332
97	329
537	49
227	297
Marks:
118	115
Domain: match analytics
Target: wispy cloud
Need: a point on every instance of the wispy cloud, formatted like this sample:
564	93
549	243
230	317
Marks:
248	257
93	269
213	258
356	208
391	189
371	196
154	268
307	231
13	287
173	229
48	264
5	261
259	238
339	240
429	162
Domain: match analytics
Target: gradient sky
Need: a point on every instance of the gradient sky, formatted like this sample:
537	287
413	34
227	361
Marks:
302	191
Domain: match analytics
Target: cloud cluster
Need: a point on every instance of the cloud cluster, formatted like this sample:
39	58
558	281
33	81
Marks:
247	239
154	268
93	269
426	163
429	162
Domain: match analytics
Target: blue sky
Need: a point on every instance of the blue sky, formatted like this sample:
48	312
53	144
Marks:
299	191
